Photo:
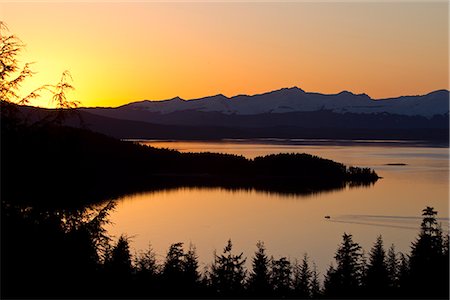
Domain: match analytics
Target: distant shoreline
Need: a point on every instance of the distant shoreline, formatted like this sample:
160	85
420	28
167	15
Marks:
307	142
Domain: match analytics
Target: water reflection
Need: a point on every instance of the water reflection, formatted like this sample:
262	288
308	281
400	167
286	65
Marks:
282	187
280	193
209	216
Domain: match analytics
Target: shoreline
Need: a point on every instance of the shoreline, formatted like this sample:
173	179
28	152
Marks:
305	142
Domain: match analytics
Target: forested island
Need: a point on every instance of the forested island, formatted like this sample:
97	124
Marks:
84	166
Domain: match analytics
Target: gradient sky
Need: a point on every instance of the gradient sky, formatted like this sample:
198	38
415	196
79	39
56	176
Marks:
123	52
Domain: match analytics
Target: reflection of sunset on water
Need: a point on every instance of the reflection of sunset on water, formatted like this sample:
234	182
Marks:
291	225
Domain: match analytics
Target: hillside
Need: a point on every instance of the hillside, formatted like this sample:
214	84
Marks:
285	113
195	125
61	165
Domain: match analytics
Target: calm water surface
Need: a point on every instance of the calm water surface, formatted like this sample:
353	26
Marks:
293	225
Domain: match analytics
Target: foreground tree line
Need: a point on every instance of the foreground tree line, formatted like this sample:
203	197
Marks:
68	254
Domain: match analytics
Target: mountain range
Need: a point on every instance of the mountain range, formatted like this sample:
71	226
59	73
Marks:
285	113
294	99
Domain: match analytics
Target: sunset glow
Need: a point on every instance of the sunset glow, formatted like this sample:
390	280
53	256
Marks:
123	52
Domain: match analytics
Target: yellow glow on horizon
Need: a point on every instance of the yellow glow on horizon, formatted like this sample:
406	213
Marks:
123	52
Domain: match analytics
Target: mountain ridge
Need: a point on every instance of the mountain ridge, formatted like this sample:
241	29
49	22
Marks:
194	125
282	89
295	99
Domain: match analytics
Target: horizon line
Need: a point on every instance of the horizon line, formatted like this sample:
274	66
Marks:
253	95
267	92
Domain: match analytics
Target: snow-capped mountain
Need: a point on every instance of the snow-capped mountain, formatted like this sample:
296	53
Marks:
294	99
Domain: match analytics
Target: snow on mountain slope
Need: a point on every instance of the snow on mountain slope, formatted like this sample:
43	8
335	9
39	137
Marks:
297	100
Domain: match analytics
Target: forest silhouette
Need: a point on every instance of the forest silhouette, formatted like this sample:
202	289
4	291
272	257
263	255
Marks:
94	167
67	253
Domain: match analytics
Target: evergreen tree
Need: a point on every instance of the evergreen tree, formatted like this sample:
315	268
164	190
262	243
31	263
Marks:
302	279
119	262
147	271
259	280
190	269
427	268
118	267
331	283
363	269
403	275
315	284
281	277
392	266
228	273
145	262
345	280
377	280
172	272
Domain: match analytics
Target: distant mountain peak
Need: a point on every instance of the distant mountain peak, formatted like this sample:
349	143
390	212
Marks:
345	92
283	91
218	96
295	88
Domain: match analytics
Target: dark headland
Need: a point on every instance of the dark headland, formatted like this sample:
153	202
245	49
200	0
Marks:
71	164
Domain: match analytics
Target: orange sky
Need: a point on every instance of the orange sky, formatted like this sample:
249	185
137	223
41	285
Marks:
123	52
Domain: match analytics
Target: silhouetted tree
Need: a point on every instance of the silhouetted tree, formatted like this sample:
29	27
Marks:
94	220
281	277
12	75
392	267
315	283
85	230
64	106
331	283
190	270
118	268
361	174
403	275
172	272
427	269
145	262
377	280
259	280
345	280
147	271
302	279
363	269
119	261
228	273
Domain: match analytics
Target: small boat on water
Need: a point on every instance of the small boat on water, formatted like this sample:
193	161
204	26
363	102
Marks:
327	217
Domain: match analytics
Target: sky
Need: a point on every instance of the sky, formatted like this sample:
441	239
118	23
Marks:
120	52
